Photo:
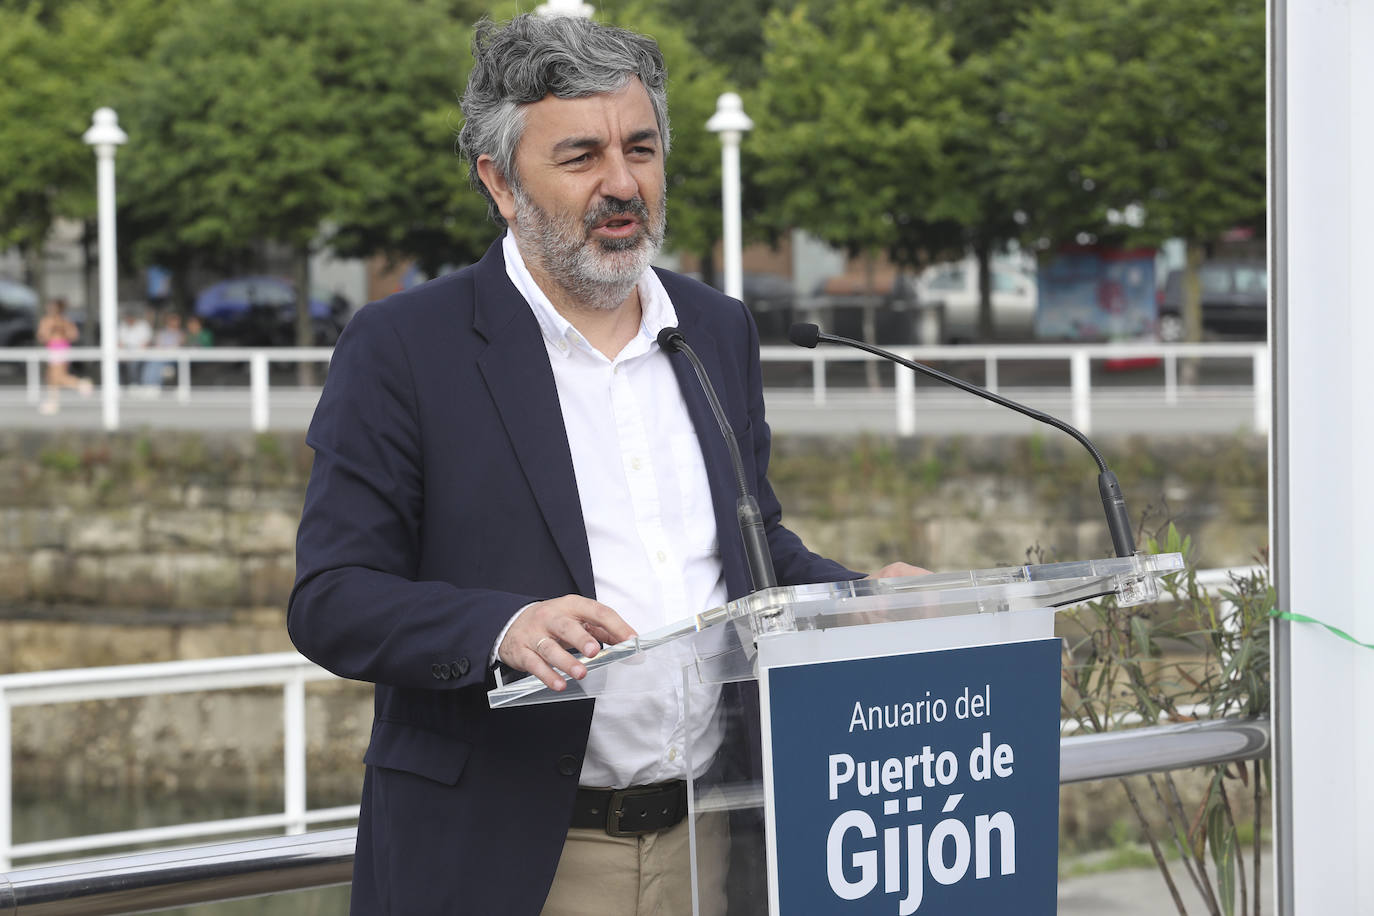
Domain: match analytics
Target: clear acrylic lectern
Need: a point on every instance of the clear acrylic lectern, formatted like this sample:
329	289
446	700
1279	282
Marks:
717	657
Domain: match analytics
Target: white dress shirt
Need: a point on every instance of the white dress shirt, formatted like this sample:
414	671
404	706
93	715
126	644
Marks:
651	526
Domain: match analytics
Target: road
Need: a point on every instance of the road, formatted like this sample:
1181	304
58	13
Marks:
848	411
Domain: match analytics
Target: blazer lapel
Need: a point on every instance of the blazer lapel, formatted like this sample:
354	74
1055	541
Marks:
719	470
516	369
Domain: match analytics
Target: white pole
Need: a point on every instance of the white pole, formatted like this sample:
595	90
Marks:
730	205
293	750
574	8
906	402
258	393
1322	141
1080	382
731	122
106	137
6	792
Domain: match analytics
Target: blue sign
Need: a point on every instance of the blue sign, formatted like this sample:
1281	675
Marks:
923	783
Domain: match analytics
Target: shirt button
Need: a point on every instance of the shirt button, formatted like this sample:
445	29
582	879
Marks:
562	345
672	753
635	464
662	557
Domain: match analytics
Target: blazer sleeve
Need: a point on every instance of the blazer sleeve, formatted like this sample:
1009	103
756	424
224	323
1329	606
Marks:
793	563
357	607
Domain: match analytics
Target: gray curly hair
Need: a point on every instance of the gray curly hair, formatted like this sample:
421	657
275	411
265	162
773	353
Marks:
529	58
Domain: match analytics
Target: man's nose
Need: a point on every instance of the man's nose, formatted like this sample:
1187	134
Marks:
618	181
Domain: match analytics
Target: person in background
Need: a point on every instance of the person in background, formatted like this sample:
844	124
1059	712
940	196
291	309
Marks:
169	336
198	335
135	333
57	332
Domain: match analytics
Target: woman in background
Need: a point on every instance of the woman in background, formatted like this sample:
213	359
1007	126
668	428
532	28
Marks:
57	332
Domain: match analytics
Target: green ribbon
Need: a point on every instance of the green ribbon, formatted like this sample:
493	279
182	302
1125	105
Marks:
1303	618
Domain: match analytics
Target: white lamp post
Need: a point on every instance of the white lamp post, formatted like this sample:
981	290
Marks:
731	122
564	8
106	137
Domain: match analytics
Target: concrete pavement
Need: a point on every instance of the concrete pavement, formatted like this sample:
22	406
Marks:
845	411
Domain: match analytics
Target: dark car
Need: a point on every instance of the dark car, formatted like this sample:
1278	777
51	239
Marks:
1234	300
19	314
770	298
261	311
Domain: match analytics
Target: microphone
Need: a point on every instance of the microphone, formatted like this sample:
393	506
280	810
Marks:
746	506
1113	502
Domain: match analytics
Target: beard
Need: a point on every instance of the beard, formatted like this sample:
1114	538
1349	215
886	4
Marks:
597	274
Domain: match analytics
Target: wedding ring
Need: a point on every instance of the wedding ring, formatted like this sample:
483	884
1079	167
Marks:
540	643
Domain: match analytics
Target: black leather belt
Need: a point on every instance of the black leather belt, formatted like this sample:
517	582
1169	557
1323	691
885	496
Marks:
631	812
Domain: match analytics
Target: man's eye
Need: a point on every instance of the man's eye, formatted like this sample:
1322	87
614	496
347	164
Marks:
576	161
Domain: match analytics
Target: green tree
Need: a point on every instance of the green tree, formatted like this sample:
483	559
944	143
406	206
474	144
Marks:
58	63
853	125
979	32
693	166
298	122
1132	121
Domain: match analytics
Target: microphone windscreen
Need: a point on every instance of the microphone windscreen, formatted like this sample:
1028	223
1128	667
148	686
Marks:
804	335
668	338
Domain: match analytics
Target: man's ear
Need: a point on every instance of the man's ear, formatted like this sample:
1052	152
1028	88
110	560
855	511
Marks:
500	188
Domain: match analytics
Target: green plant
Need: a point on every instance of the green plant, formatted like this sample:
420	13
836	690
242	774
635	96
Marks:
1190	654
62	460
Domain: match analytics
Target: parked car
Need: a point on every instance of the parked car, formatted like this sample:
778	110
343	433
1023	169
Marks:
770	298
260	311
1235	300
19	314
879	306
954	289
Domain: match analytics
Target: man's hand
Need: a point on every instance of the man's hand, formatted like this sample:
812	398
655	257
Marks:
897	570
540	638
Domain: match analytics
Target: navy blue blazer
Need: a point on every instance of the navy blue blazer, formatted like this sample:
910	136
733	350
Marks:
442	500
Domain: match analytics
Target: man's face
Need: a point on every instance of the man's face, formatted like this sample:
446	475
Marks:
588	206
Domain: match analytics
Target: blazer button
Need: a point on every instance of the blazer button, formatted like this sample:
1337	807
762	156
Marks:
445	671
461	666
434	670
567	765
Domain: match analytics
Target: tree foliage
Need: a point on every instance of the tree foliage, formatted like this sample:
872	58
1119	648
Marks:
268	119
851	133
694	83
58	63
1153	105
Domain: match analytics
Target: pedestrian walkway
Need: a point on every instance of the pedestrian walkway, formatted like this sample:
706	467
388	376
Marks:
1142	892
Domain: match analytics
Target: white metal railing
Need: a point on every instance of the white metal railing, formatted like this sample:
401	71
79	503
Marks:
288	670
258	360
1078	357
204	874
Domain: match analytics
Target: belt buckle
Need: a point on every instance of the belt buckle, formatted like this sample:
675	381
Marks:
616	808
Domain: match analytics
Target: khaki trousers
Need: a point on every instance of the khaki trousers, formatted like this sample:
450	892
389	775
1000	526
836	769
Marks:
600	875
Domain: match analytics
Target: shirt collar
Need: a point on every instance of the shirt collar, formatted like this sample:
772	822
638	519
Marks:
655	304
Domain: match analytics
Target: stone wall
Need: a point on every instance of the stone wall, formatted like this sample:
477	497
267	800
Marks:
135	548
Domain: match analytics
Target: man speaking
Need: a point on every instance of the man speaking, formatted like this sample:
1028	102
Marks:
510	470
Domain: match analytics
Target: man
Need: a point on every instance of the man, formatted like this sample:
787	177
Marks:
509	470
135	333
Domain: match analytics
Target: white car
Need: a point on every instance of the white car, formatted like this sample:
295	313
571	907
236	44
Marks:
954	287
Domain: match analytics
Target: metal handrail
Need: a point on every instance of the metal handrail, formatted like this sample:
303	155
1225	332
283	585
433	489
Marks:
205	874
1078	356
289	671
